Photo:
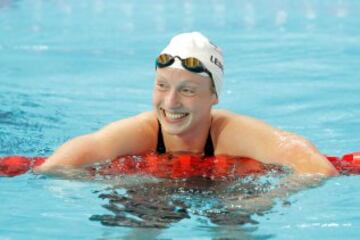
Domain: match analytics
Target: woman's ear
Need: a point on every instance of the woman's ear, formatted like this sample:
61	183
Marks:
214	99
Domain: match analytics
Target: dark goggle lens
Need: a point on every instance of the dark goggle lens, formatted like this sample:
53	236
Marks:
164	60
193	64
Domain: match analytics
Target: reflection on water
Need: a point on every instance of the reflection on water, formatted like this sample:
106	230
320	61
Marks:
160	204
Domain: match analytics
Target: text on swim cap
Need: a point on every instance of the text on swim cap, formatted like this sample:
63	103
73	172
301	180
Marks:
217	62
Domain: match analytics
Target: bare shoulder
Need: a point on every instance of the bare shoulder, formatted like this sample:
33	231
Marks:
227	128
236	134
223	120
133	135
146	120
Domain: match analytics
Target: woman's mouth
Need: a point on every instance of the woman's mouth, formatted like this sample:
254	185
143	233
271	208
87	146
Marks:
173	116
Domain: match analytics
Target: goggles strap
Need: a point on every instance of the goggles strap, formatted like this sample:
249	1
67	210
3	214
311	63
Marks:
178	64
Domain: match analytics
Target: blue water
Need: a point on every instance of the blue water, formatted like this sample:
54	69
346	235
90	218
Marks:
70	67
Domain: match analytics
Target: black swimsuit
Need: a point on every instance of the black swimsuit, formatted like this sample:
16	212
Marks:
160	148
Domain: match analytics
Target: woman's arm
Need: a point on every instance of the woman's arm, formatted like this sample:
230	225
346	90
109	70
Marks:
245	136
128	136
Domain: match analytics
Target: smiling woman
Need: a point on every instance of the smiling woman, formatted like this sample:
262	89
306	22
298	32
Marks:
67	68
183	120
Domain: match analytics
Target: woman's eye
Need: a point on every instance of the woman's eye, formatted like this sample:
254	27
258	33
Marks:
188	91
161	86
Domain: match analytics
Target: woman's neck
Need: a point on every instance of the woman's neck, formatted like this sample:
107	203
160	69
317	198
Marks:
192	141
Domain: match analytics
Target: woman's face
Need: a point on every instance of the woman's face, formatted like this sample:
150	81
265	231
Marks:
182	100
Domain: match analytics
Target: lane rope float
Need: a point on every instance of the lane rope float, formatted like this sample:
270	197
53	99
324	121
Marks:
175	166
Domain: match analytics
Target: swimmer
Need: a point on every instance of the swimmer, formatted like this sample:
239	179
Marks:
188	80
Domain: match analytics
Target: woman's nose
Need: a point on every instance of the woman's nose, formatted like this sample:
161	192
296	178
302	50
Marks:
172	99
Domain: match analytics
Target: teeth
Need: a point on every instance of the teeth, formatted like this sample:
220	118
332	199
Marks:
174	116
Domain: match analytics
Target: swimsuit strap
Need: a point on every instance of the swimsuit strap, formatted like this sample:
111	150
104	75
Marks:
160	148
209	147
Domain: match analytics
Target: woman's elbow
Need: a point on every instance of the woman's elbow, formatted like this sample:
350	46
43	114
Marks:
75	153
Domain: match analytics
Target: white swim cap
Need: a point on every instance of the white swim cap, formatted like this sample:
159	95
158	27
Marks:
196	45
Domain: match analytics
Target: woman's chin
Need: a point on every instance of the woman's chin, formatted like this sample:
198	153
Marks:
174	130
178	128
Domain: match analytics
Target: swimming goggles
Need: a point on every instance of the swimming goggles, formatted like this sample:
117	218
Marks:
191	64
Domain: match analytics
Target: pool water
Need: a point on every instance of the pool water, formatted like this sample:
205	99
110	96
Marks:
70	67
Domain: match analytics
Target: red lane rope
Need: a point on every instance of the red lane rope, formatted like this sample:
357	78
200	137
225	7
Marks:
175	166
16	165
347	164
